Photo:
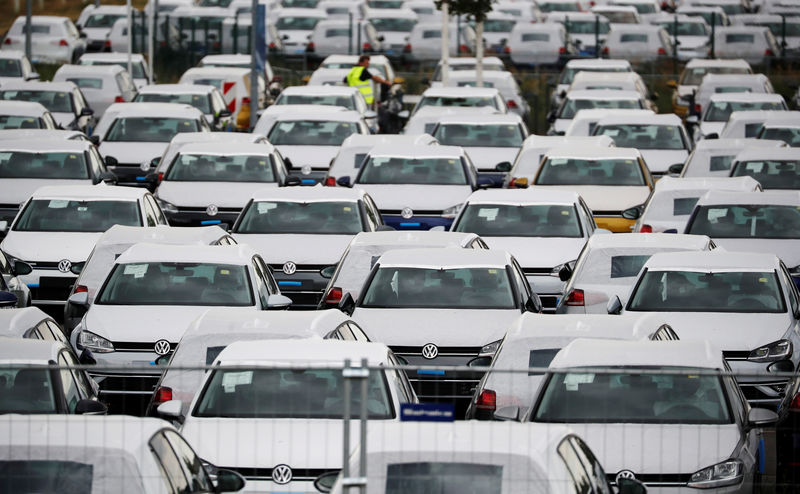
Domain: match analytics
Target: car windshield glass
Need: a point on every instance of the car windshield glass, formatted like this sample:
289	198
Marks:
633	396
217	168
393	24
581	171
685	28
317	217
790	136
283	393
572	106
498	25
569	73
559	7
314	99
311	133
22	164
588	27
429	171
719	111
300	4
103	20
36	476
535	37
10	68
177	283
443	477
792	28
19	122
693	77
771	174
643	136
87	82
692	291
65	215
491	135
385	4
465	288
437	75
457	101
55	101
27	390
147	129
199	101
505	220
288	23
746	221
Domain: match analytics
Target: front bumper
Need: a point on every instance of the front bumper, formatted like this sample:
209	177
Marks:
422	222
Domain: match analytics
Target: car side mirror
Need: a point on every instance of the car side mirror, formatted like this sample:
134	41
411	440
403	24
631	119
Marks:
347	304
21	268
33	76
80	299
692	119
381	38
87	358
292	181
224	113
82	35
503	166
77	267
565	273
630	486
507	414
675	169
324	483
229	481
632	213
404	115
344	181
614	305
87	112
712	135
278	302
7	299
551	117
108	177
533	304
110	160
327	273
670	230
171	410
163	360
761	416
288	163
90	407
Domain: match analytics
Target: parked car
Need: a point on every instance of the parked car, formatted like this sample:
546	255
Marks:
140	70
755	44
15	66
775	169
713	157
101	86
25	115
207	99
638	43
53	39
63	100
692	75
535	45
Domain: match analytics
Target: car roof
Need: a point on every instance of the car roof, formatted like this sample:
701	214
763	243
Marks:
28	350
400	13
472	60
746	29
15	54
77	192
308	194
666	184
757	115
707	261
772	197
491	119
337	116
17	321
155	110
533	195
587	352
427	238
530	327
111	57
240	254
46	18
304	323
652	119
33	145
299	12
712	79
460	92
633	28
420	151
543	142
276	352
176	89
23	108
320	90
38	86
792	119
592	152
221	137
488	75
665	240
277	110
746	97
727	144
603	94
226	59
763	154
597	62
591	75
447	258
221	72
228	148
103	70
363	140
717	62
121	234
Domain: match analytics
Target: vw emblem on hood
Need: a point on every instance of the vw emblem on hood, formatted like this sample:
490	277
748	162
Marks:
430	351
64	265
306	170
162	347
624	474
145	165
282	474
289	268
407	213
212	210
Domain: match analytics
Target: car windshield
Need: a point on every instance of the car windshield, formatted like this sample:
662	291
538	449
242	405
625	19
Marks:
572	106
316	217
393	24
630	395
26	390
103	20
300	4
719	111
19	122
498	25
693	77
771	174
643	136
199	101
505	220
218	168
177	283
29	476
693	291
569	73
489	135
136	67
581	171
746	221
443	477
86	82
55	101
10	68
559	6
149	129
24	164
459	288
65	215
493	66
685	28
288	23
467	101
314	99
385	4
428	171
288	393
311	133
790	136
588	27
792	28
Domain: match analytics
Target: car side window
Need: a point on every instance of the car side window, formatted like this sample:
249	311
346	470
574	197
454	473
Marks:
68	385
150	215
50	123
522	282
94	167
82	381
401	382
170	465
344	332
592	466
57	332
372	220
193	467
790	288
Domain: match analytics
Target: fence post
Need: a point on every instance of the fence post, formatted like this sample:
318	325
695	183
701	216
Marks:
783	36
675	46
346	426
597	52
191	46
235	34
350	34
358	38
713	35
362	461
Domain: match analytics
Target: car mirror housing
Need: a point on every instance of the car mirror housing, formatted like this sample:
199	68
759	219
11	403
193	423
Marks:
630	486
90	407
632	213
22	268
327	272
171	409
507	414
77	267
229	481
614	305
79	298
503	166
324	483
761	416
278	302
343	181
675	169
347	304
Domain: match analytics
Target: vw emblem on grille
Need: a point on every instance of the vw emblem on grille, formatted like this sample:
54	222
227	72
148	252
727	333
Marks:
289	268
282	474
305	170
64	265
624	474
212	210
162	347
407	213
430	351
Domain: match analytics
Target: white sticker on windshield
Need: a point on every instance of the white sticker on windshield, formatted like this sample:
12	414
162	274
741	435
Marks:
137	270
264	207
489	213
58	204
232	379
611	132
5	156
571	381
716	213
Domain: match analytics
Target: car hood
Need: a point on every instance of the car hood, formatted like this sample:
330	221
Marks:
298	248
652	448
787	250
295	36
18	190
425	197
314	156
691	42
49	246
608	198
486	158
443	327
202	194
659	160
133	152
711	128
64	119
538	252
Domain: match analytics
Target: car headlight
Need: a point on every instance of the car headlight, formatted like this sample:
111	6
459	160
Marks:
167	207
726	473
452	211
777	350
490	349
95	343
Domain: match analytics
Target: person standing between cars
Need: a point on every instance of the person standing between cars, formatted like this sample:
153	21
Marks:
359	77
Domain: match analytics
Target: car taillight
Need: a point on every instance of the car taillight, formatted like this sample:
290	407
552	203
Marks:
605	50
107	45
63	42
463	49
697	108
119	99
562	50
646	229
160	176
575	298
334	296
794	406
662	51
330	181
7	41
310	47
162	395
367	47
407	48
81	289
487	400
511	104
769	53
506	49
272	45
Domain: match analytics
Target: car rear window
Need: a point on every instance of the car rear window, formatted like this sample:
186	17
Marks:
740	38
444	477
87	82
21	164
633	38
535	37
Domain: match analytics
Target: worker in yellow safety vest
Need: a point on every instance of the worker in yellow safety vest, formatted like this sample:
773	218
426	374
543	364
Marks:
359	77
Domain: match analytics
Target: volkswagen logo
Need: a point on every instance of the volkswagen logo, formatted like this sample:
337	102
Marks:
430	351
212	210
289	268
624	474
64	265
282	474
162	347
305	170
407	213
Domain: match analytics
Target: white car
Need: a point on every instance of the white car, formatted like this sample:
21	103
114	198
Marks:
621	81
755	44
59	225
786	129
97	23
63	100
424	42
584	65
545	231
207	99
722	105
730	83
698	428
722	296
462	97
209	184
395	25
463	63
301	233
693	74
575	101
534	45
296	412
53	39
15	66
618	14
502	80
693	37
94	452
140	72
608	266
584	122
242	61
424	120
365	249
30	323
101	86
234	85
332	36
746	124
25	115
131	135
347	97
295	25
178	141
47	134
497	28
775	169
673	200
713	157
270	115
588	33
442	308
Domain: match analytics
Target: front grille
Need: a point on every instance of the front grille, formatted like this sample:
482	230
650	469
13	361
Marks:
417	212
52	288
301	268
301	474
607	213
437	389
121	384
201	210
44	265
537	271
452	351
655	479
735	354
136	346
